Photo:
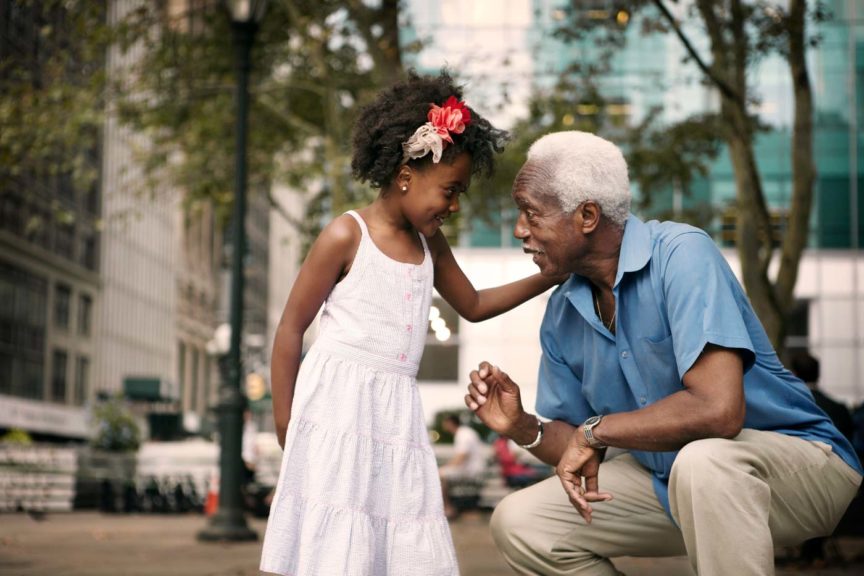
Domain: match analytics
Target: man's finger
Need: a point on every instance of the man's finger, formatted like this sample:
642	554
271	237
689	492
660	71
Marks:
591	483
477	393
478	382
597	496
577	499
471	403
503	380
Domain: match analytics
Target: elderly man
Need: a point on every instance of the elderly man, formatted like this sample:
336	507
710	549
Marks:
651	346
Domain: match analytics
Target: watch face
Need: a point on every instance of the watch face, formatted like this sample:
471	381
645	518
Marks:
592	420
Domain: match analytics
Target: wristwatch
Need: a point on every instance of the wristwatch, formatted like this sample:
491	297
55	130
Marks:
588	431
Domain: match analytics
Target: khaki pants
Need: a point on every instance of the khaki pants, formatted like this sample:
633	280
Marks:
734	500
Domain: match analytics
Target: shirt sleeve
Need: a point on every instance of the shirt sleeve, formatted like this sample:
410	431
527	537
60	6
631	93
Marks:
704	301
559	390
461	441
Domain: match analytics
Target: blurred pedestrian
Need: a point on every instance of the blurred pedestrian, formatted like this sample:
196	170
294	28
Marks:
807	368
358	490
468	462
516	474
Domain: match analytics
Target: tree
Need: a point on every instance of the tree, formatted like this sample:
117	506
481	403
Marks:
51	104
659	157
740	34
166	71
313	62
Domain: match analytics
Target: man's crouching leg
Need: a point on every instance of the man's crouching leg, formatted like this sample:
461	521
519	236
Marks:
737	499
538	531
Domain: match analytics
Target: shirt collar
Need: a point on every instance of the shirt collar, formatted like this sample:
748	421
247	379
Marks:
634	255
635	247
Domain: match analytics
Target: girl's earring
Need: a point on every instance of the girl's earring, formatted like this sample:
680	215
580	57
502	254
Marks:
404	188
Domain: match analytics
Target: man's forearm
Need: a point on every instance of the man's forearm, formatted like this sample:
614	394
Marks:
666	425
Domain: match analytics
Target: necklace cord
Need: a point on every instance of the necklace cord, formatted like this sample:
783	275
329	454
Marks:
600	313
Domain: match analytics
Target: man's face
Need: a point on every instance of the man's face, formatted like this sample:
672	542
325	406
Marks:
547	233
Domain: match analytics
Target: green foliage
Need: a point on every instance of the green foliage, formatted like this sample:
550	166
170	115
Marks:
116	429
52	97
16	436
659	157
169	76
310	71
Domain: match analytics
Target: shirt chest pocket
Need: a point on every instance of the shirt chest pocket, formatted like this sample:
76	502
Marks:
655	360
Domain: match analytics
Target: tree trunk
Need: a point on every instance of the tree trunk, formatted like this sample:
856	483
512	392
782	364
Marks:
803	169
753	239
731	51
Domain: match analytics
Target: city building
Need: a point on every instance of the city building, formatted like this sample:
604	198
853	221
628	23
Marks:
50	251
114	289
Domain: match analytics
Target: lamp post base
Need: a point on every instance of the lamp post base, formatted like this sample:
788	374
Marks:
228	526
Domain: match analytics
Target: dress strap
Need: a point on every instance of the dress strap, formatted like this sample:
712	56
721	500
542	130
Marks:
423	241
359	220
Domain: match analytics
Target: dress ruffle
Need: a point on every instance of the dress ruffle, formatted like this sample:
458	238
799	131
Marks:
358	474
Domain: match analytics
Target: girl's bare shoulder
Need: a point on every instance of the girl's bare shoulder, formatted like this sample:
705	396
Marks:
342	233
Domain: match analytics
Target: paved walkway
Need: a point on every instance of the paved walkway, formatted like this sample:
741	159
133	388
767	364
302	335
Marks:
93	544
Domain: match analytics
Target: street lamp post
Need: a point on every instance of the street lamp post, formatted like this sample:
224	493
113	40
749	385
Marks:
229	522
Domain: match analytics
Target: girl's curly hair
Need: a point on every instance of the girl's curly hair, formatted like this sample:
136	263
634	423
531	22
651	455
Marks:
395	115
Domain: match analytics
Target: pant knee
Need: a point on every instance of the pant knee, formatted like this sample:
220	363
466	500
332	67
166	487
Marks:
505	520
697	460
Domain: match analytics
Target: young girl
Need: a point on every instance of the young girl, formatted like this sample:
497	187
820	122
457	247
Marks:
358	491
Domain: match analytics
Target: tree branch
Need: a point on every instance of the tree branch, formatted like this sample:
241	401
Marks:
724	88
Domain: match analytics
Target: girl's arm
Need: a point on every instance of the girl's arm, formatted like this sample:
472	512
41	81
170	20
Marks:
476	305
328	261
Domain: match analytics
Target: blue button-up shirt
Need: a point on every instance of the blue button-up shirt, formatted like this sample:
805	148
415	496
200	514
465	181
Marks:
674	294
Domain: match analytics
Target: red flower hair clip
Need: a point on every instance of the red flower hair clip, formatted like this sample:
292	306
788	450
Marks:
434	135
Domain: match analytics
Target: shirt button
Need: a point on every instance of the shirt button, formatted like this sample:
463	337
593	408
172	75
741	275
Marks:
408	296
643	400
409	327
625	354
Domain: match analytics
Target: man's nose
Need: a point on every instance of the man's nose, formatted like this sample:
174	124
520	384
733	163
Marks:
520	229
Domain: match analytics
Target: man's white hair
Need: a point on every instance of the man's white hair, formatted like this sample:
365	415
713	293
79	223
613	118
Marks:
579	166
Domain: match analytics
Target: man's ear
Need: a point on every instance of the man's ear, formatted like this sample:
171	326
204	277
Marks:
589	212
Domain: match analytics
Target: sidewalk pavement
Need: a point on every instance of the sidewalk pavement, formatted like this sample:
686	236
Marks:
94	544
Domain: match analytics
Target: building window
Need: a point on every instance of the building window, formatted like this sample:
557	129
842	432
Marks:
7	373
32	384
62	296
82	380
85	313
729	226
23	315
181	371
87	250
58	376
64	239
193	381
441	357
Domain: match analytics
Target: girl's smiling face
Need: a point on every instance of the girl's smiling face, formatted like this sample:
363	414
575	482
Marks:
433	193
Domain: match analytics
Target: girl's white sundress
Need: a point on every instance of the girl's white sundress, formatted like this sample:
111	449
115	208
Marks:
358	491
